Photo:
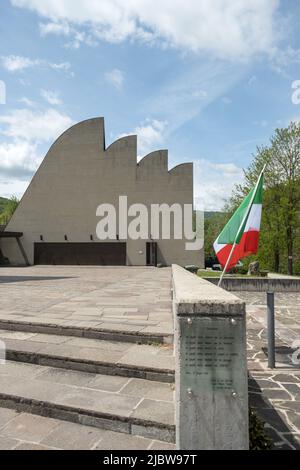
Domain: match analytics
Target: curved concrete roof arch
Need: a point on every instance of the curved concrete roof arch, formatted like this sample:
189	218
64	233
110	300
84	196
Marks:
77	174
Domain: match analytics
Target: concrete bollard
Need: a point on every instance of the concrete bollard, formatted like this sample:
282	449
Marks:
211	366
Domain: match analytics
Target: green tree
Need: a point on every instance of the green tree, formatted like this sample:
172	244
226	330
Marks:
212	228
280	220
9	209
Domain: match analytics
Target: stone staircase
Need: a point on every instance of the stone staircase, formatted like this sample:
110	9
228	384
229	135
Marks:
110	380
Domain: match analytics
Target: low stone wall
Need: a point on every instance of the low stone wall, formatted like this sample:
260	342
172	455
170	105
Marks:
211	365
258	284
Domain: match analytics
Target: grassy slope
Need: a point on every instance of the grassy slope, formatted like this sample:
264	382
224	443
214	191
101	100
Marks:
203	273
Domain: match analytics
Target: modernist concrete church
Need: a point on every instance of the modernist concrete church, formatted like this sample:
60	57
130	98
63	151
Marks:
55	222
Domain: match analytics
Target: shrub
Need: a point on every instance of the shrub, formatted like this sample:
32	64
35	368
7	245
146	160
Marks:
192	269
241	270
258	438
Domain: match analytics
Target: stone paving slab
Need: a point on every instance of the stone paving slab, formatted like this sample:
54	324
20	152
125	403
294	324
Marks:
126	386
275	394
117	399
83	351
129	299
23	431
278	406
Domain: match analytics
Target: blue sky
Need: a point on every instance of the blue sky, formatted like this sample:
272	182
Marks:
209	80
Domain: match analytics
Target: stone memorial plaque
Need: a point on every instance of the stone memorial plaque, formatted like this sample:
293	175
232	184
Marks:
211	355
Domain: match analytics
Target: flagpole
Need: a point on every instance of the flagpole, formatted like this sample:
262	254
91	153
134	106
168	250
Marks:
241	225
227	263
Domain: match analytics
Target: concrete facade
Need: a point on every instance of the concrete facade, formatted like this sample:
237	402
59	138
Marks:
78	174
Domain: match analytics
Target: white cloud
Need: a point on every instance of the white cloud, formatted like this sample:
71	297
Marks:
188	92
13	187
14	63
281	58
65	66
30	125
52	97
116	78
54	28
214	182
227	29
18	159
227	169
150	134
65	29
27	131
28	102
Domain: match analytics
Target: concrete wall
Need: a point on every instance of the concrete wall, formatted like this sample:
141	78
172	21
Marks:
211	365
258	285
79	173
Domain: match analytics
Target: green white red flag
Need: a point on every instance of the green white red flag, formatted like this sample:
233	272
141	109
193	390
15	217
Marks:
242	230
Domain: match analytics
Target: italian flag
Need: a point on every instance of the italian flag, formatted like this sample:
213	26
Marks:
242	230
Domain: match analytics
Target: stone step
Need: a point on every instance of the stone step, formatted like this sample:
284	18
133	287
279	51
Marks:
151	362
25	431
84	329
120	404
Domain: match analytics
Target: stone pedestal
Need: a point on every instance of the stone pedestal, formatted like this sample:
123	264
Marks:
211	366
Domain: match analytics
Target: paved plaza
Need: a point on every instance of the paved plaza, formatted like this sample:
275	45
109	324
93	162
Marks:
134	299
92	345
275	394
101	339
23	431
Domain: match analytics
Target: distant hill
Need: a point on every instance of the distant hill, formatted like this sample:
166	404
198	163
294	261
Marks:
209	214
